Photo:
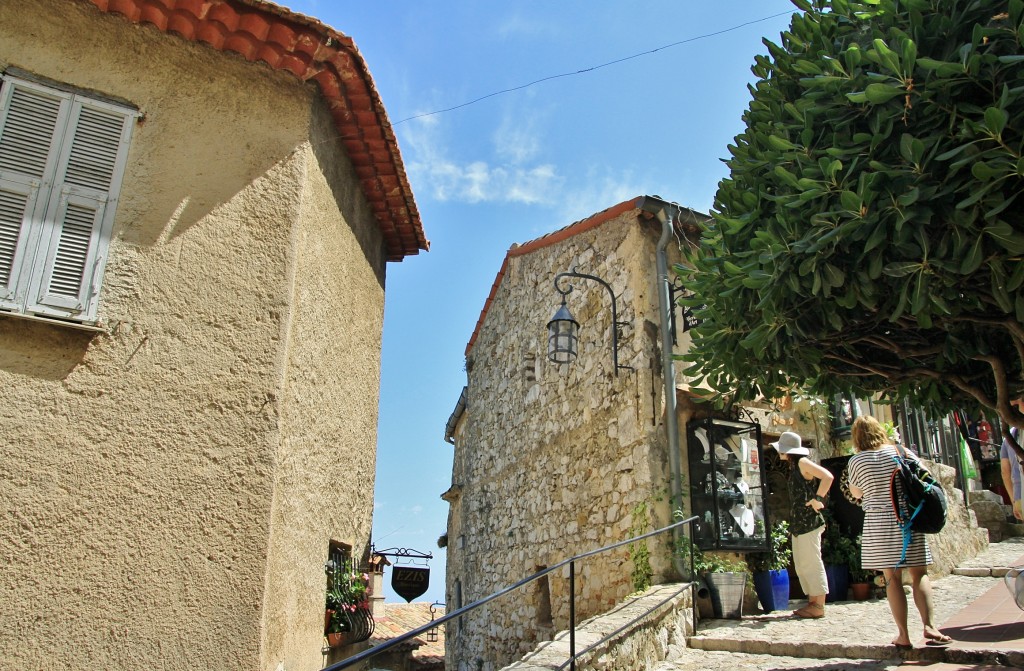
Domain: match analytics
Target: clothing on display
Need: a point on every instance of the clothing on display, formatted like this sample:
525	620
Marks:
744	518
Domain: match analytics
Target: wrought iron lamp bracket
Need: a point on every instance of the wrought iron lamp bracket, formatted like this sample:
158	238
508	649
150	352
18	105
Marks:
616	324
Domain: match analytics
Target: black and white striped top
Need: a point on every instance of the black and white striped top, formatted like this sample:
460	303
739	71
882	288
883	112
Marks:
882	540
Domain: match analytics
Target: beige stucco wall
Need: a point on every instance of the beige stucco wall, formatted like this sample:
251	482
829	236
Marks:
554	461
170	486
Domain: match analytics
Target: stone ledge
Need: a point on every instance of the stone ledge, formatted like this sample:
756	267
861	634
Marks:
644	630
1013	658
982	571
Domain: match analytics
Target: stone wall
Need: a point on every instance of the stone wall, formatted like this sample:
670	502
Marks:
961	538
643	631
553	461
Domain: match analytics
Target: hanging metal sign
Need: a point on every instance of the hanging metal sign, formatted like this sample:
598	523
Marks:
689	320
410	582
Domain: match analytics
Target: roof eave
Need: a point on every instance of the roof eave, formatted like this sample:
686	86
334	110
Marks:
309	50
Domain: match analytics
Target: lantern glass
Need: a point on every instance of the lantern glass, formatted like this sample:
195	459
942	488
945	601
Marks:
563	337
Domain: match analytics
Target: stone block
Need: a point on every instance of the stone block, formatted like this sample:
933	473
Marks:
990	515
974	572
983	495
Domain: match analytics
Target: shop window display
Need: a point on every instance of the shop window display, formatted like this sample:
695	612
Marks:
726	485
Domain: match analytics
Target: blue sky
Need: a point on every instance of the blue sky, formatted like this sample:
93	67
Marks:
656	120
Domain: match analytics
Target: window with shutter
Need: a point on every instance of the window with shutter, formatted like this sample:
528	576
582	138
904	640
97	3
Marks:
62	158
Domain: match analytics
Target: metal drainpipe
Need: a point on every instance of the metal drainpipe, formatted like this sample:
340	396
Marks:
666	214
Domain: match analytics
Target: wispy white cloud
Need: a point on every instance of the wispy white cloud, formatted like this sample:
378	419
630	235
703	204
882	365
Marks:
518	25
601	187
517	139
506	174
512	169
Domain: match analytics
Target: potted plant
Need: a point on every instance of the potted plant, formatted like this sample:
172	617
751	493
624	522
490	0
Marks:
726	579
770	569
860	579
347	595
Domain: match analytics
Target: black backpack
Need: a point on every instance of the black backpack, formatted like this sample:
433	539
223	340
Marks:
917	499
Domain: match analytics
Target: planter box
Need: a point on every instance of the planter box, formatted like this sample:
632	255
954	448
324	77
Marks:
726	590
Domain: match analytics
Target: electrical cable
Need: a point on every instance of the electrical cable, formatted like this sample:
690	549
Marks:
590	69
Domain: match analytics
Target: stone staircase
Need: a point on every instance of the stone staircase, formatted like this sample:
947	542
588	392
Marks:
994	515
655	631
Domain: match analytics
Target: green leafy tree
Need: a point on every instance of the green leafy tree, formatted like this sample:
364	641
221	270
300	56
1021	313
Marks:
869	235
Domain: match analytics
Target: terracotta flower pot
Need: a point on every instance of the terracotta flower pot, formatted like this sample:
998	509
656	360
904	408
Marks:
860	591
336	639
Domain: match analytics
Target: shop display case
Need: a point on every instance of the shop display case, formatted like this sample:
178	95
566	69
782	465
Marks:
726	485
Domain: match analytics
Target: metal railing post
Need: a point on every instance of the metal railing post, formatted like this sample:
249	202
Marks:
572	616
693	576
433	624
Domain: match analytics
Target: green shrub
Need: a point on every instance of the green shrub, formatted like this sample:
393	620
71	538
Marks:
779	553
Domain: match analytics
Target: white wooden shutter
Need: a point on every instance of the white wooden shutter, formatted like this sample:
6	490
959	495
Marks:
71	248
77	231
30	117
17	202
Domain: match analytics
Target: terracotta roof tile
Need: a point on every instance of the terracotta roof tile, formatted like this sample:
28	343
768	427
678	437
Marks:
400	618
259	30
154	14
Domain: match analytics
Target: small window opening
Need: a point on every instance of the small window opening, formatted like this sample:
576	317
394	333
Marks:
543	600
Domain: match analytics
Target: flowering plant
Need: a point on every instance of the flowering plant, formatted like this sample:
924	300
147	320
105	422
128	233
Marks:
347	591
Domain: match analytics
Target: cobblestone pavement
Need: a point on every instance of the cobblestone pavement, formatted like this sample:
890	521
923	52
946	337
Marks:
853	635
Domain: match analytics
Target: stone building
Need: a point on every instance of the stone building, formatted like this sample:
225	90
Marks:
198	201
549	459
553	460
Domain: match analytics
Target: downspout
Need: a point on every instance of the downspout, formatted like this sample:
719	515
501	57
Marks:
666	214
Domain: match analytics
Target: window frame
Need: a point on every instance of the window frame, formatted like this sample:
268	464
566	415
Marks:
67	151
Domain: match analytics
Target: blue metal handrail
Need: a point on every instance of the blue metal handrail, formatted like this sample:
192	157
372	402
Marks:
571	561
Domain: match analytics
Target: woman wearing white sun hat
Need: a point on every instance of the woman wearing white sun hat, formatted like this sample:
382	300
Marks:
808	486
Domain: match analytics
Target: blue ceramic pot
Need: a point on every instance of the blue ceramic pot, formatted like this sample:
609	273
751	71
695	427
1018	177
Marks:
838	582
772	589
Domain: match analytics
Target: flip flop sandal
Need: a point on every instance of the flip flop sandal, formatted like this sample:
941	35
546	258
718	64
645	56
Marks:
936	641
810	612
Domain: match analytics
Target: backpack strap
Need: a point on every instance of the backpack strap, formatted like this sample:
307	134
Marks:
901	522
907	536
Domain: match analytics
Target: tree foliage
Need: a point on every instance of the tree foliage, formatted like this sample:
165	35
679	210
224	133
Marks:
869	235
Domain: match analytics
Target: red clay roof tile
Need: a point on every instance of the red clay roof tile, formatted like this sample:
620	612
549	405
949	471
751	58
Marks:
181	24
400	618
154	14
259	30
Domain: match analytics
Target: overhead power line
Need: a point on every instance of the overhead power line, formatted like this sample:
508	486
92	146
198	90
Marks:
591	69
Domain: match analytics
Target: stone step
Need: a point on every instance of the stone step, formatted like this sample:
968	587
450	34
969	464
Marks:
716	660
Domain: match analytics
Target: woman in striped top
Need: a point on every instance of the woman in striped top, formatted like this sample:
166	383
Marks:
870	472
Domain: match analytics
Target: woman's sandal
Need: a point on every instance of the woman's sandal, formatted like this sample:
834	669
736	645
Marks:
939	639
811	610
